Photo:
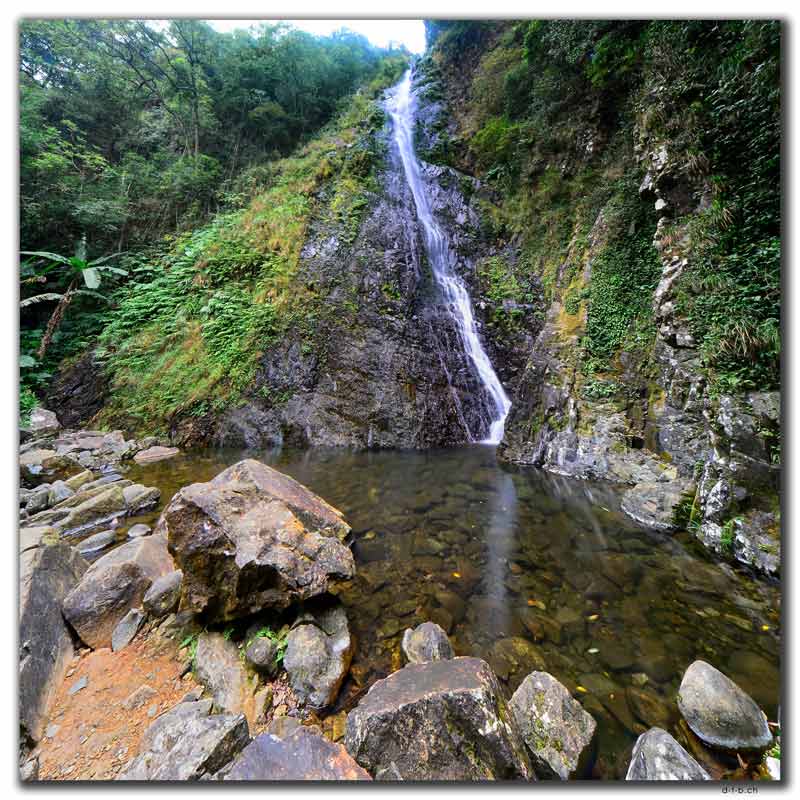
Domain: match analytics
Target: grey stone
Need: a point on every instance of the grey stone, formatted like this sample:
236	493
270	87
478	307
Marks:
318	655
261	654
555	727
219	668
163	595
441	720
114	584
654	503
140	498
156	453
138	697
58	491
126	629
300	756
140	529
43	422
76	687
719	712
426	642
657	756
96	542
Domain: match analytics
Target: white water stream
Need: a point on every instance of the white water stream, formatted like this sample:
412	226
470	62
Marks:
400	106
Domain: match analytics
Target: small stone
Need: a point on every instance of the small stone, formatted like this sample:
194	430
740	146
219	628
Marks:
140	529
138	697
96	542
52	730
156	453
261	654
81	683
126	629
426	642
152	711
658	757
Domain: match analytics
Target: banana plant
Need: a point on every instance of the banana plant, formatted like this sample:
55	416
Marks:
79	272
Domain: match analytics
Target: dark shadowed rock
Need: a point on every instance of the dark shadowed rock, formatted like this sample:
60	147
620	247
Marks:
47	572
219	668
163	595
719	712
302	756
113	585
187	744
126	629
426	642
657	756
442	720
555	727
253	538
318	654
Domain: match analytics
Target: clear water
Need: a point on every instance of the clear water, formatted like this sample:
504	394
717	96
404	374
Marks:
400	105
530	571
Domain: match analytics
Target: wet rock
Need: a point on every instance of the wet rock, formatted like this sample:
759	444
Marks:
126	629
513	658
657	756
318	654
47	573
163	595
301	756
140	529
719	712
556	729
442	720
654	503
96	542
113	585
648	707
426	642
43	422
219	668
153	454
253	538
261	655
187	744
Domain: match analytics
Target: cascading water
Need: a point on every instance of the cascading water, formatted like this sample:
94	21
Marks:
400	106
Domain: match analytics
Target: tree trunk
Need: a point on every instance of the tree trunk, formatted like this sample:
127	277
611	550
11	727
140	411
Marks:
55	319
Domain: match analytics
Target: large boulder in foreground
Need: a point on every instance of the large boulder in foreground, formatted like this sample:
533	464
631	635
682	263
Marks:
47	572
658	757
719	712
185	744
441	720
300	756
555	726
253	538
426	642
318	654
114	585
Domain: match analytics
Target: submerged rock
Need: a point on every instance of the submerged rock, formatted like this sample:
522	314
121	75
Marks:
253	538
113	585
187	744
555	727
657	756
442	720
426	642
301	756
318	654
719	712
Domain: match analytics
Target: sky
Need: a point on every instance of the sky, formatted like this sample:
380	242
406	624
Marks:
380	32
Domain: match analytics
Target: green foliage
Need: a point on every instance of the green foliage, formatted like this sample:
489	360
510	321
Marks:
726	535
27	402
594	389
500	283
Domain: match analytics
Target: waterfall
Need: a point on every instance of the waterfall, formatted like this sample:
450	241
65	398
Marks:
400	105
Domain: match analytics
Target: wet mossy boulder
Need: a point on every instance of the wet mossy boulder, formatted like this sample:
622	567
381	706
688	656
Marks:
441	720
253	538
555	727
719	712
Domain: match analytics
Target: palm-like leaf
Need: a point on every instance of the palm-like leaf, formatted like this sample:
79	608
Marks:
39	298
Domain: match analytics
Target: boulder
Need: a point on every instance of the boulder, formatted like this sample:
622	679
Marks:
555	727
302	756
126	629
318	654
187	744
441	720
47	572
426	642
157	453
113	585
261	655
163	595
253	538
653	503
657	756
96	510
719	712
43	422
139	498
219	668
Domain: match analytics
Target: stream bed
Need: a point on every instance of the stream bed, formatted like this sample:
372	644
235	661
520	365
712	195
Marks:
529	571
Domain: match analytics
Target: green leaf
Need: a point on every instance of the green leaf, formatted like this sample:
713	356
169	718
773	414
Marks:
39	298
50	256
25	362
